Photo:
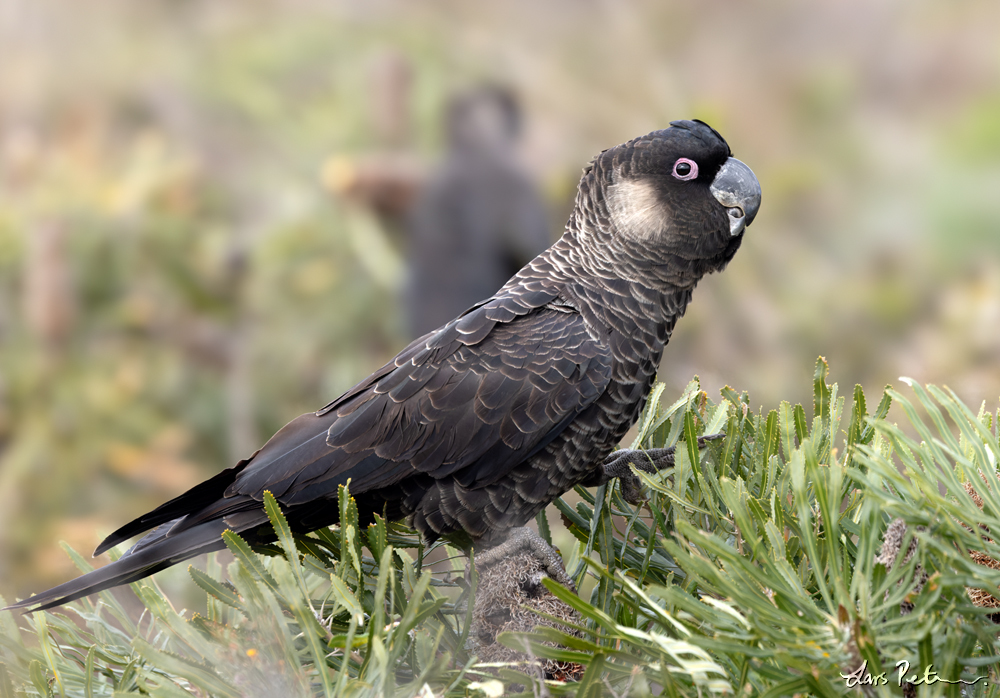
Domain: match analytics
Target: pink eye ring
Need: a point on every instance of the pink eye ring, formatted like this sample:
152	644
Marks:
685	169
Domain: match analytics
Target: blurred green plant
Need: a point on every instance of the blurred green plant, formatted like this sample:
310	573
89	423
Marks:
751	570
311	615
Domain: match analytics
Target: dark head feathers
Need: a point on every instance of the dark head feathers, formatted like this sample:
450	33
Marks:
699	127
640	153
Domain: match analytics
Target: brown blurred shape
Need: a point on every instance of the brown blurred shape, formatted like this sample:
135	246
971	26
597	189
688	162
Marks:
385	183
392	79
49	305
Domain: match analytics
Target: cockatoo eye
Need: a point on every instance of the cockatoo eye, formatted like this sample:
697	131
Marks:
685	169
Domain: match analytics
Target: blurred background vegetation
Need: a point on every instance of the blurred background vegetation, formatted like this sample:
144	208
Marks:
177	278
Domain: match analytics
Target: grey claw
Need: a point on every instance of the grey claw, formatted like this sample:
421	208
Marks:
520	539
616	465
631	488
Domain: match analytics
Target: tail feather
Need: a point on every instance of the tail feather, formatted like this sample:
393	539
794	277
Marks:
194	499
144	559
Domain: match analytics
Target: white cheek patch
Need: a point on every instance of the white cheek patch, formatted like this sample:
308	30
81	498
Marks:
636	210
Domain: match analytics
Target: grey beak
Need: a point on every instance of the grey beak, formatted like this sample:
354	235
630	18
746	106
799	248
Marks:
736	188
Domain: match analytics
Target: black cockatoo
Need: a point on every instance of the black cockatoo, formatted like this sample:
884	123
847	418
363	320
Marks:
474	428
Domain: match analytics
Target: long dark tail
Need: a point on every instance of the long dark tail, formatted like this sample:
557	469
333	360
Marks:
153	553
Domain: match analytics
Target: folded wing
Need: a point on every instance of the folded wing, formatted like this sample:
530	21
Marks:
468	403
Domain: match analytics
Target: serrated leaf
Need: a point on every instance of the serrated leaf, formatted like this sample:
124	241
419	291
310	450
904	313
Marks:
248	558
343	595
591	685
757	511
6	685
801	426
198	674
769	443
377	537
821	391
585	609
525	642
649	414
215	588
281	528
859	414
786	425
38	678
308	623
88	673
349	527
48	650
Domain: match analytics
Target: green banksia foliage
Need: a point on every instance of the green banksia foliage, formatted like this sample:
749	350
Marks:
757	565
